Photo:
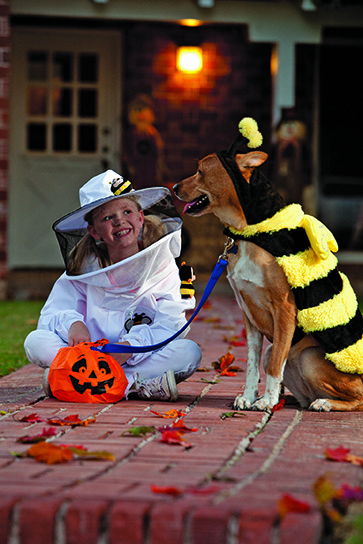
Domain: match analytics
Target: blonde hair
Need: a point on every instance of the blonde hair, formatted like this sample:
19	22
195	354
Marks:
152	230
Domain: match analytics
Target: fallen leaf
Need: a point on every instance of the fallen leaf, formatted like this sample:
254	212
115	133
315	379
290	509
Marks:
212	319
227	415
337	454
179	426
288	504
226	360
142	430
72	420
324	490
166	490
46	433
174	437
354	459
170	414
223	365
46	452
210	381
349	493
81	453
327	495
31	418
278	406
177	491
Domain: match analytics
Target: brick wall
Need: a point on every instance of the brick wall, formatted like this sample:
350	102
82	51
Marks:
4	129
198	115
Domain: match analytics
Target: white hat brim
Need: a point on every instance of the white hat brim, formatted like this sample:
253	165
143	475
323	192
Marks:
75	220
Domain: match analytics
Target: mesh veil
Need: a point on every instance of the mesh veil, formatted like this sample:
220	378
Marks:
162	206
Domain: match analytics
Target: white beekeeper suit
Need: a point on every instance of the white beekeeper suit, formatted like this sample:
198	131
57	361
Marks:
137	300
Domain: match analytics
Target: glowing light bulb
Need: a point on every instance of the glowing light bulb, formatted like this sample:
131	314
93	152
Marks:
189	59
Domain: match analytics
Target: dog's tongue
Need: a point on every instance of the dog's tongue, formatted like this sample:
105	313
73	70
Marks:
189	205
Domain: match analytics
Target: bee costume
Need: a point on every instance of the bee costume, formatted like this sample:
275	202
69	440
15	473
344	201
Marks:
303	247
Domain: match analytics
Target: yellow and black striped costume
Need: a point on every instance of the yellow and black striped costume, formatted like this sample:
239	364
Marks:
326	303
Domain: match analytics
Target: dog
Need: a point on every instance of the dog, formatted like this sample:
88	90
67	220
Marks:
265	297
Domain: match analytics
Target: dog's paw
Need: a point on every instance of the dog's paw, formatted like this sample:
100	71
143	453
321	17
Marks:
242	403
320	405
263	404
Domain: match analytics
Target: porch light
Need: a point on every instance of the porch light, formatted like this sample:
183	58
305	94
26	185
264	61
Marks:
189	59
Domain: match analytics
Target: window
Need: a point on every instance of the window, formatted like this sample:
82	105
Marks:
62	102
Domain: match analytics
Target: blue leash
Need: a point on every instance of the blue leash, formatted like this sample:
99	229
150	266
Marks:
216	274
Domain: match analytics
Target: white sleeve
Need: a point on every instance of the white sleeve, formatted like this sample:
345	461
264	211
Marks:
65	305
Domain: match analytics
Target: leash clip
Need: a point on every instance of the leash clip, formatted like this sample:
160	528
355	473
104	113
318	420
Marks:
229	243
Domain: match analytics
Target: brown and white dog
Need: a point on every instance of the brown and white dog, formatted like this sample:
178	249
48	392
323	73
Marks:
267	304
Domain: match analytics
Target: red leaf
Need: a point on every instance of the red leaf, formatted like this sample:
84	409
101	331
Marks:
178	426
288	504
167	490
31	418
47	433
278	406
338	454
175	438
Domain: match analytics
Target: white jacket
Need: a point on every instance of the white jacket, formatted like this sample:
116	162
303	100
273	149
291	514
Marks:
136	300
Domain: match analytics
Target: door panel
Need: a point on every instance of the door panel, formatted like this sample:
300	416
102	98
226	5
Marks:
65	128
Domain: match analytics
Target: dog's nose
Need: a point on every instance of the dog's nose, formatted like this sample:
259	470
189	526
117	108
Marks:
175	189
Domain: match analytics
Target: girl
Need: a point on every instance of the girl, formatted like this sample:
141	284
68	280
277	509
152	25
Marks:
121	283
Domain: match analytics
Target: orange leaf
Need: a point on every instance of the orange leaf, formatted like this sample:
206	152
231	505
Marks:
72	421
170	414
288	504
354	459
167	490
226	360
337	454
46	452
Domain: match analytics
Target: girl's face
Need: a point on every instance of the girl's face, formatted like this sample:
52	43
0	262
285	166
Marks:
118	223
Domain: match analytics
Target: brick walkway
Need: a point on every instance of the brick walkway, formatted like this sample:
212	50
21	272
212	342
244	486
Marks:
229	482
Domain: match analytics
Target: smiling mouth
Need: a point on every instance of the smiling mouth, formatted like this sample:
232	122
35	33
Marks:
197	206
123	232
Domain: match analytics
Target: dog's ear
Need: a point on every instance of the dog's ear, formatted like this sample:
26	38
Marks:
248	162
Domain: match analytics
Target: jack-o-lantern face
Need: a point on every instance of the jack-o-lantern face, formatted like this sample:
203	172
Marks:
80	374
91	373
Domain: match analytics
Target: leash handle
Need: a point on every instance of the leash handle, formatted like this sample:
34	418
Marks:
120	348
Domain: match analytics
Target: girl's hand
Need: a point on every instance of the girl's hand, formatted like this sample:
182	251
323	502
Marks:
121	358
78	333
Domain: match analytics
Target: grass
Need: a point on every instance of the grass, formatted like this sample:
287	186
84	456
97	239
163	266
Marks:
17	319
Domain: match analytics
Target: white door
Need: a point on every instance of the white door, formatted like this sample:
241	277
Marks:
64	129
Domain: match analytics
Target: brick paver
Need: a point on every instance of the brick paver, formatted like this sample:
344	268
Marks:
229	481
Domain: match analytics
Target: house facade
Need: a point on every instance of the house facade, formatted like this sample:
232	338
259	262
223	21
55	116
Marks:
73	73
